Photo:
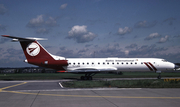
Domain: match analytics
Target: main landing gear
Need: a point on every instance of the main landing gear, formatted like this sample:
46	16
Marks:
88	76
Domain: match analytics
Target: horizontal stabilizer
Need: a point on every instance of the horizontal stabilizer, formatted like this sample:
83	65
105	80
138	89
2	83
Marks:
14	39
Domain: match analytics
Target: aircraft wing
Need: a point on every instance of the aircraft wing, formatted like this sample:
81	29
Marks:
92	70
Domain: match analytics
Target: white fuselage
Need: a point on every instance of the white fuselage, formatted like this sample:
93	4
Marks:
120	64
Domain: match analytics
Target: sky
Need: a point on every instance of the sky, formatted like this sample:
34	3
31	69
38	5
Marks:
92	28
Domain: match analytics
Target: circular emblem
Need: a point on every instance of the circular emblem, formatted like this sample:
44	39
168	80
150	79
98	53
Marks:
33	49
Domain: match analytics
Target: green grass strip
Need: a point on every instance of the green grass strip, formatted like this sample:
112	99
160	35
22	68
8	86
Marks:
171	83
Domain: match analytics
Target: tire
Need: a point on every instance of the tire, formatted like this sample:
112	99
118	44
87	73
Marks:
82	77
90	78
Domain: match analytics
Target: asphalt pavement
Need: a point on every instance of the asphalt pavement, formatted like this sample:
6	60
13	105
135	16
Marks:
51	94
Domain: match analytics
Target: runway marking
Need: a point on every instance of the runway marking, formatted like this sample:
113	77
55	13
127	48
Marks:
61	85
1	89
61	95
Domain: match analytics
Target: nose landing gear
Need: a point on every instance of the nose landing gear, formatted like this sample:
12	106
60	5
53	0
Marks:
159	76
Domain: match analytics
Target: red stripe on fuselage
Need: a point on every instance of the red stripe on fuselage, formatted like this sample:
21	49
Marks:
148	66
152	66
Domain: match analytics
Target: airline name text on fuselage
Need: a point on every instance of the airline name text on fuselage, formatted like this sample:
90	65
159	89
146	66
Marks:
119	60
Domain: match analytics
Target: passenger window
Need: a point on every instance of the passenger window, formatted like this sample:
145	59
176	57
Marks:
126	62
92	63
83	63
98	63
117	63
87	63
103	63
131	63
122	63
141	62
113	63
74	63
107	63
135	62
78	63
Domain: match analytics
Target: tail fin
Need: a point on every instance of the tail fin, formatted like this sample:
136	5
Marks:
37	55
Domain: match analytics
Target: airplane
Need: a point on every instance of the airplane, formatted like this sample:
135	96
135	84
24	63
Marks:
36	54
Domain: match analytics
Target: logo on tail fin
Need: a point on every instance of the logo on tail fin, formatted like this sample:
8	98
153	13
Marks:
33	49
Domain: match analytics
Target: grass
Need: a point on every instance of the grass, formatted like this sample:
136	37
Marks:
54	76
123	84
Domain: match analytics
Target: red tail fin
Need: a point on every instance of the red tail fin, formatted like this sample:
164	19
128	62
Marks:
37	55
34	51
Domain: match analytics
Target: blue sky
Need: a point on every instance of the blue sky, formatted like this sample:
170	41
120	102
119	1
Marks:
92	28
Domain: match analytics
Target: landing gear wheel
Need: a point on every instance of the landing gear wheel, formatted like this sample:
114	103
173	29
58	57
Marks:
86	77
159	76
89	77
82	77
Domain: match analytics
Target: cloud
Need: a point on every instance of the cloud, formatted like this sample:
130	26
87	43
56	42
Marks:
2	27
109	51
65	52
169	20
80	34
146	51
51	22
63	6
12	58
42	24
42	31
145	24
82	51
36	22
3	40
88	45
122	31
3	10
152	36
116	45
163	39
134	45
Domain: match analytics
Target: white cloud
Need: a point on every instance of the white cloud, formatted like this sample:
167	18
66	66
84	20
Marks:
36	22
3	10
164	39
63	6
78	30
42	24
122	31
80	34
39	22
152	36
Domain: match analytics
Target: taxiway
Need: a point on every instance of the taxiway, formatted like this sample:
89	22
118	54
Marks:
50	93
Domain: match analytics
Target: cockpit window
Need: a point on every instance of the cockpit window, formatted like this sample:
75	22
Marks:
164	60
